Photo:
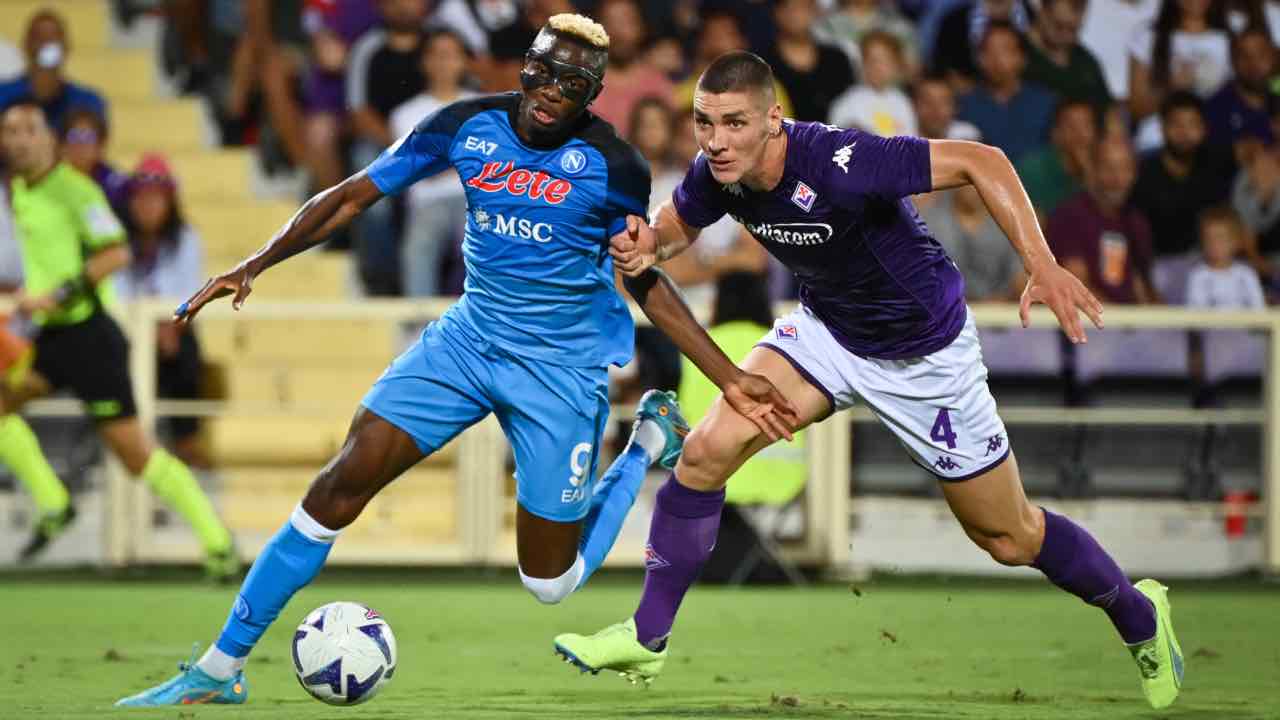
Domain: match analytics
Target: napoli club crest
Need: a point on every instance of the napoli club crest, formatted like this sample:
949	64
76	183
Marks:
573	162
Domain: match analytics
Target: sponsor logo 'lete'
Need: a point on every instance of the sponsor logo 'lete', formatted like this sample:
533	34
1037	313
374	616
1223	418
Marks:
499	176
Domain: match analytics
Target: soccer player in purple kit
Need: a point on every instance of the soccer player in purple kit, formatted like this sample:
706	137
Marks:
882	318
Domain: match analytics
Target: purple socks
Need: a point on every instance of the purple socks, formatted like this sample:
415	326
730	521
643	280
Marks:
1074	561
681	537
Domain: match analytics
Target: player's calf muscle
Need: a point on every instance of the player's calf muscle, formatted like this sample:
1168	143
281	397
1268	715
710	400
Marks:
711	451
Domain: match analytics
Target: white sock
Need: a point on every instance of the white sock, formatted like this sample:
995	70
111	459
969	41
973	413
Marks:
219	665
310	527
650	438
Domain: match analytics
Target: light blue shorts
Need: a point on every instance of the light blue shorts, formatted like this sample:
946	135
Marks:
552	415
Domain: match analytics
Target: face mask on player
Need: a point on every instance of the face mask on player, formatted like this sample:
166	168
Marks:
576	83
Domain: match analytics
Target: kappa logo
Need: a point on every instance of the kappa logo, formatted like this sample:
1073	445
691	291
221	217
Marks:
486	147
804	197
843	156
787	332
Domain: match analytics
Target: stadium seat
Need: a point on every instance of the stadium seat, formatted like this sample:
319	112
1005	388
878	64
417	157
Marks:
1233	355
1131	354
421	506
1169	275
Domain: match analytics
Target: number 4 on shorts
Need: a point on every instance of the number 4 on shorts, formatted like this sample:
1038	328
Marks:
941	431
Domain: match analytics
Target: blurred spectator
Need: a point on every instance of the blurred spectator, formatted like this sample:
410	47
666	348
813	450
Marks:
846	25
1100	237
167	263
47	47
10	255
333	26
652	133
1013	115
959	221
436	207
1183	178
1109	25
384	72
1242	109
1058	171
935	107
1218	280
1255	195
11	62
814	74
509	27
719	34
877	105
628	77
1056	59
963	31
268	61
1185	48
84	142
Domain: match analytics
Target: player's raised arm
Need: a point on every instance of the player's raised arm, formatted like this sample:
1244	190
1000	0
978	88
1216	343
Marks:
324	213
957	162
752	396
421	153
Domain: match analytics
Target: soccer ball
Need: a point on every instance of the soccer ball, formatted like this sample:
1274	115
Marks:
344	653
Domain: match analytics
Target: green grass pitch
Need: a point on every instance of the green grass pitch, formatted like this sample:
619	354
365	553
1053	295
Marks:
481	648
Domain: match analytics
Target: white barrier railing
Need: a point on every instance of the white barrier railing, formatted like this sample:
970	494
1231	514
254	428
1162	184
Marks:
481	500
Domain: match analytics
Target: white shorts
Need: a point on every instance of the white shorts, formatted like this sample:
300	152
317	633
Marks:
937	405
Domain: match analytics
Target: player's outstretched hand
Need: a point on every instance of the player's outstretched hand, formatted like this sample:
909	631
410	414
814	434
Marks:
756	399
635	249
237	281
1066	296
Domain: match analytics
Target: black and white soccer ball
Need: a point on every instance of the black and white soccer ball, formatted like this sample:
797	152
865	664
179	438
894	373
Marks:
344	653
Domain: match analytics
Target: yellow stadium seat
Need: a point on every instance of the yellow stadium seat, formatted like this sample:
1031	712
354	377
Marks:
121	75
88	21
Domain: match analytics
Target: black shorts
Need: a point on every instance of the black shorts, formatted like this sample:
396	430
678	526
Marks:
178	378
91	359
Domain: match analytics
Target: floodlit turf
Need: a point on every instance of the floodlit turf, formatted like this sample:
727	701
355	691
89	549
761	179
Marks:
482	649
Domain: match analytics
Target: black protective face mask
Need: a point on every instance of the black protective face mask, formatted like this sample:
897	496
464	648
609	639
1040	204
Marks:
576	83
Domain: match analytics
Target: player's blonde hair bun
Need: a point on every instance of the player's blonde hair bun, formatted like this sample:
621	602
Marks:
582	27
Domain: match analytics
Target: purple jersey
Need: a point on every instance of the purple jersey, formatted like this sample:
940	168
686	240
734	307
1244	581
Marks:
841	221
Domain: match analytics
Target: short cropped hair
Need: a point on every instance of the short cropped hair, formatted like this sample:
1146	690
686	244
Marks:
1181	100
736	71
580	27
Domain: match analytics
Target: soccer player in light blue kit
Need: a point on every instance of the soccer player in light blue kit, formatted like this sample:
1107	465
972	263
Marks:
547	184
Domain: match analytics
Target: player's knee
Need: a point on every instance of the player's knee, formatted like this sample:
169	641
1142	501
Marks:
550	591
704	458
333	503
1009	550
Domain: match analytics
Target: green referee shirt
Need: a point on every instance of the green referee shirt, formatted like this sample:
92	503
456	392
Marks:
61	220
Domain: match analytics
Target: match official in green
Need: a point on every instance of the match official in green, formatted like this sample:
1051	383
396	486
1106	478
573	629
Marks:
71	242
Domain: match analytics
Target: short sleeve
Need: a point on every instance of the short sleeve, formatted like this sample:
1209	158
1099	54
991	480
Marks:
697	197
628	188
860	164
99	226
1141	44
423	152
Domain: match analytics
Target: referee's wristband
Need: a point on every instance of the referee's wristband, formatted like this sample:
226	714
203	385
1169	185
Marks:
71	289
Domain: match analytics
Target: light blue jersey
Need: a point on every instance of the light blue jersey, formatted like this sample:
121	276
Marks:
539	276
540	321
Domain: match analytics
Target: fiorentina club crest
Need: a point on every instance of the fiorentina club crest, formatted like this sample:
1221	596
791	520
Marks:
804	197
652	560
